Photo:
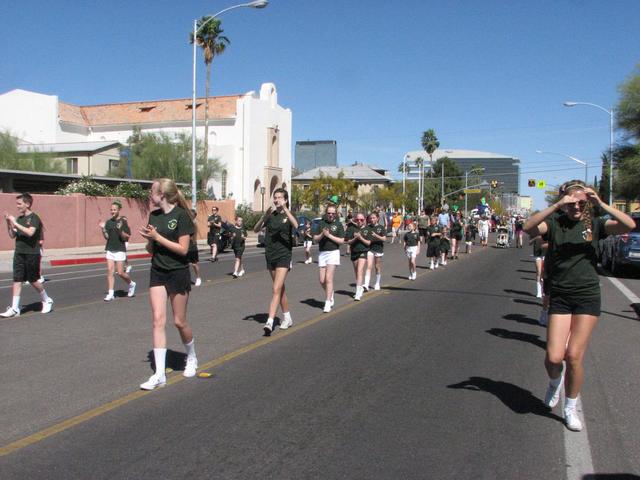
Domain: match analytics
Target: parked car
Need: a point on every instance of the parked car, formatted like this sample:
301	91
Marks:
619	251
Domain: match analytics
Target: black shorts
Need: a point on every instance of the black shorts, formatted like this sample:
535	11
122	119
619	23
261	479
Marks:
422	232
433	250
192	255
238	252
26	267
213	238
575	304
284	262
356	256
174	281
457	237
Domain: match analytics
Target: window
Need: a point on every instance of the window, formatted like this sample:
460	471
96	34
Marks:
223	181
72	165
113	165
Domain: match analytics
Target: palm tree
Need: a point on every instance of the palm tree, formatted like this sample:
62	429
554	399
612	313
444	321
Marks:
430	144
213	43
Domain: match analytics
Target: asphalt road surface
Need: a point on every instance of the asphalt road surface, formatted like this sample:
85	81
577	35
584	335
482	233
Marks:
440	377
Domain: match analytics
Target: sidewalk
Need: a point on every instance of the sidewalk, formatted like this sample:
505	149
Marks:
56	257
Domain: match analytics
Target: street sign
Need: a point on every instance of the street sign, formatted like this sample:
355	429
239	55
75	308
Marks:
473	190
552	192
542	184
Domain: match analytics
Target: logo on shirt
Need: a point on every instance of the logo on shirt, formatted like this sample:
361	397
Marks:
285	220
586	235
172	224
333	228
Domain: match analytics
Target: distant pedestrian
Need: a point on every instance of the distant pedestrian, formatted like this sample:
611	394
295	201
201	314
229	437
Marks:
357	236
423	223
279	223
168	235
307	237
433	243
412	249
377	235
457	227
573	234
329	235
239	237
213	238
484	224
117	232
519	231
445	246
26	229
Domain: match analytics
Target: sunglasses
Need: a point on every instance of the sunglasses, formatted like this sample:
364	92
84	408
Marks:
359	219
331	213
581	204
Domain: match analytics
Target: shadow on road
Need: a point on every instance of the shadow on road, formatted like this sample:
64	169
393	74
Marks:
312	302
610	476
525	271
346	293
519	292
521	336
257	317
527	302
518	317
174	360
517	399
31	307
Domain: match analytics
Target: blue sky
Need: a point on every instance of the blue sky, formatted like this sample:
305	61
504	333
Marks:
373	75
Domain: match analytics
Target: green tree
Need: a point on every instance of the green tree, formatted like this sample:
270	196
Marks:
628	109
325	186
209	37
454	179
627	178
33	161
430	143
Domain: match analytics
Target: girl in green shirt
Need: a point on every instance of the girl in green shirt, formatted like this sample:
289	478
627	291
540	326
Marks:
116	232
572	233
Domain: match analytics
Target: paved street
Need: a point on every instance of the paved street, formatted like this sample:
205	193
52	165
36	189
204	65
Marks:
435	378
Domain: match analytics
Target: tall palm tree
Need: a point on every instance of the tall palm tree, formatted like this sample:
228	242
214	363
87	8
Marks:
430	144
213	43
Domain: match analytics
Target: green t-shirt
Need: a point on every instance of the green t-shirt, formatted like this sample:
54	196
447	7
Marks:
377	246
171	226
24	243
278	236
431	231
456	228
115	243
412	238
570	263
239	235
423	221
335	228
214	219
358	246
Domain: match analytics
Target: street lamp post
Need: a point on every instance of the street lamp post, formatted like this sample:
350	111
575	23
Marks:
254	4
571	157
610	113
404	179
262	190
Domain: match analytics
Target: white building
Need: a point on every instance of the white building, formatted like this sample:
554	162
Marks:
249	134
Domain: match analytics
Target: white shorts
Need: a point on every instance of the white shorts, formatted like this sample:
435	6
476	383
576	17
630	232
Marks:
412	252
116	256
375	254
331	257
308	243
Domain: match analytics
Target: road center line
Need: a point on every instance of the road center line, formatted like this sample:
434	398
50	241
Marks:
577	450
633	298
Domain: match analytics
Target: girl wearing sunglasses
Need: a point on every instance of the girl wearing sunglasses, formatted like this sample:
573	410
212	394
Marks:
357	237
572	232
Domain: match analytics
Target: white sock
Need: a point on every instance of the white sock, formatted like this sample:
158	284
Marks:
287	315
570	403
190	348
110	293
378	277
15	303
367	279
43	296
159	355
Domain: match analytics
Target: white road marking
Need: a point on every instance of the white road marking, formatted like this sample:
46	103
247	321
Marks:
577	450
633	298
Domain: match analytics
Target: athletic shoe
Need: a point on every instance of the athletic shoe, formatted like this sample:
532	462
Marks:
376	286
128	269
436	265
156	380
42	279
286	323
553	394
366	288
358	295
444	263
410	277
190	367
414	275
538	290
198	282
10	313
327	306
544	318
431	266
26	283
333	302
241	273
572	420
132	289
108	298
47	305
268	327
234	274
308	261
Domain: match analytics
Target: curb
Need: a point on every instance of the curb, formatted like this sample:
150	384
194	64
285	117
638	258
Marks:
81	261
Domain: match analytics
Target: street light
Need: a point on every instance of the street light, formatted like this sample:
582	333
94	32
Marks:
610	112
254	4
262	190
466	186
570	157
404	177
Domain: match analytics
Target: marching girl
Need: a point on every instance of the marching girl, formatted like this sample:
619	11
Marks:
116	232
377	235
445	245
433	243
412	248
279	223
168	236
484	224
307	242
457	228
357	237
573	233
239	239
329	237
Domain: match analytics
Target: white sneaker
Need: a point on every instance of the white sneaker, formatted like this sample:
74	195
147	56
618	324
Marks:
538	290
132	289
155	381
268	327
431	267
333	302
327	306
234	274
365	288
286	323
358	295
198	282
444	263
308	261
553	394
376	286
544	318
415	275
42	279
572	420
410	277
436	266
10	313
190	367
241	273
108	298
128	269
47	306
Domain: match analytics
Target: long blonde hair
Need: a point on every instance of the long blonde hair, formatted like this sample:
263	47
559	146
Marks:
174	196
587	213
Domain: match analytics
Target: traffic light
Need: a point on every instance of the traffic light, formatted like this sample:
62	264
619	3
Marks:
494	184
532	182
